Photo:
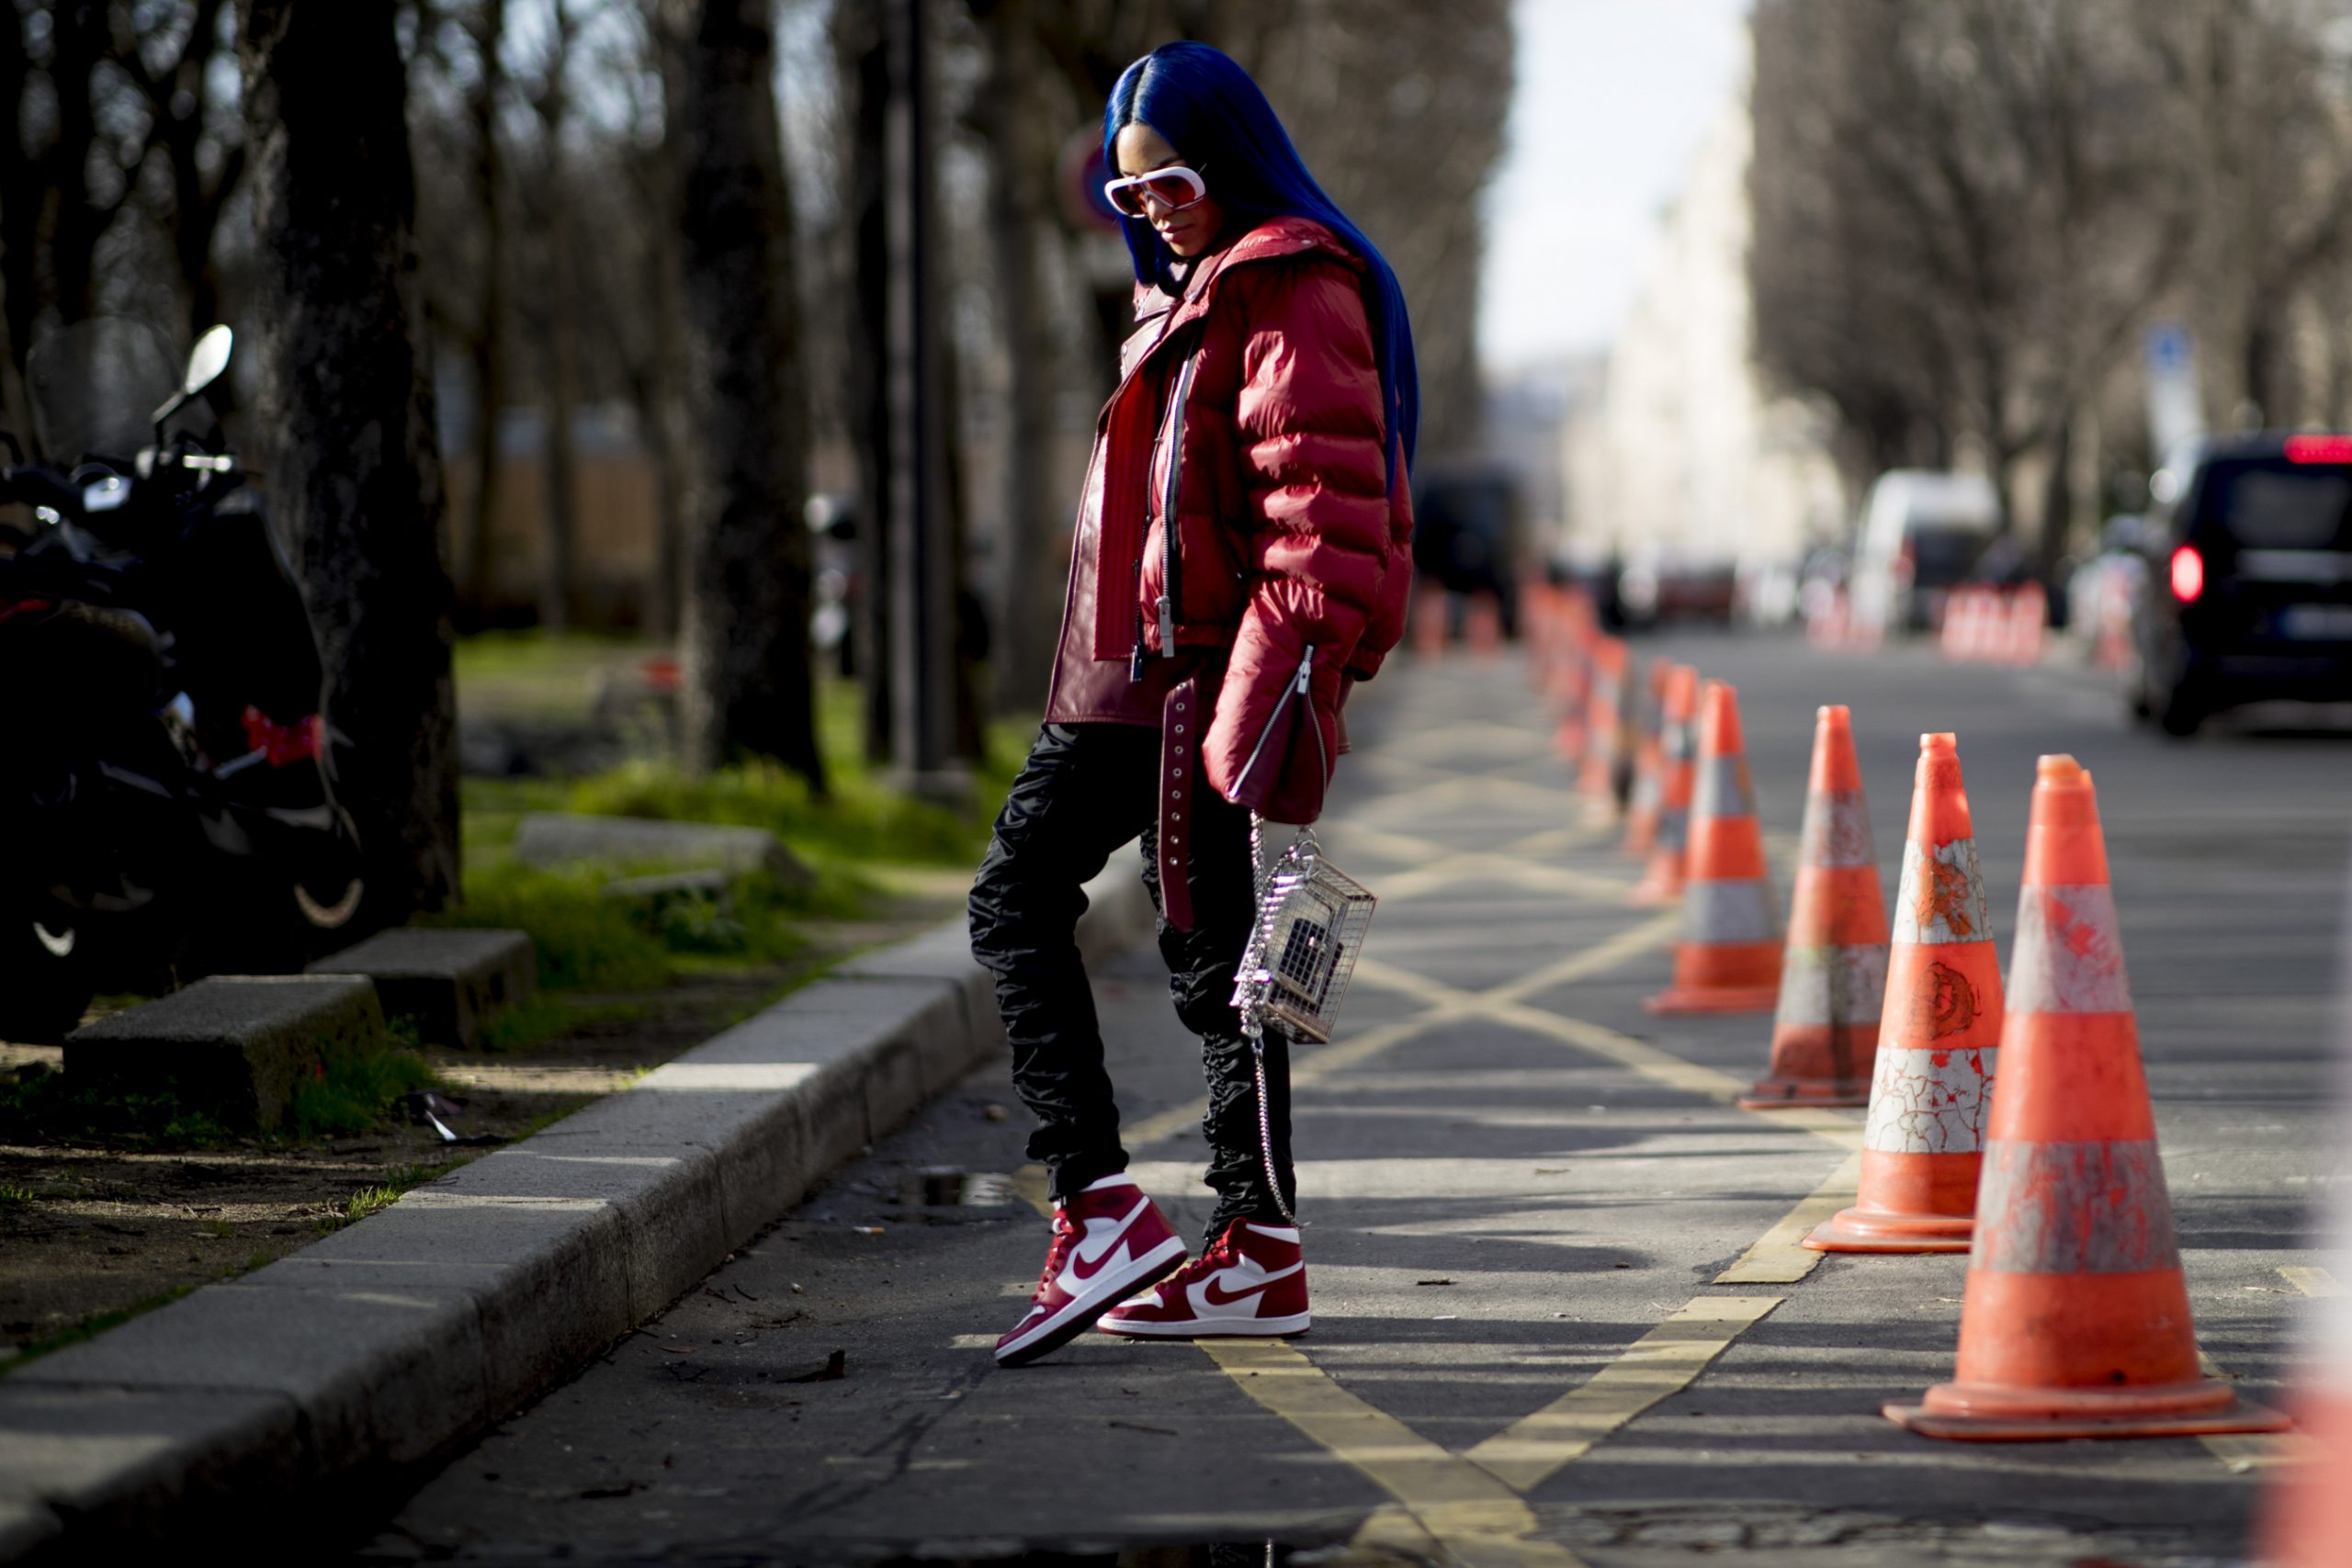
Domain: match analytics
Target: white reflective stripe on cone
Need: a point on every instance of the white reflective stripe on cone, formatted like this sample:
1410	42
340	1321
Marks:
1832	983
1941	897
1728	911
2066	958
2095	1207
1930	1102
1721	788
1673	828
1837	830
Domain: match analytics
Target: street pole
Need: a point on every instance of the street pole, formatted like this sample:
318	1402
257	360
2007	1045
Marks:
921	576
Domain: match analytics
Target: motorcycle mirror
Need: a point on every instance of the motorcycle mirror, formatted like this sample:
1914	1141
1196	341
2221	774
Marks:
207	360
205	363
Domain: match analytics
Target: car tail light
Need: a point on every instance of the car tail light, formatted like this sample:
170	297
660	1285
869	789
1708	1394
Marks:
2319	448
2187	574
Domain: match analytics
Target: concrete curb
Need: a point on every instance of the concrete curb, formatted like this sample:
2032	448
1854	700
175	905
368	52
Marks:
266	1404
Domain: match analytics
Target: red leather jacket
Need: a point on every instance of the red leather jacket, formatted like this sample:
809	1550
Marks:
1250	410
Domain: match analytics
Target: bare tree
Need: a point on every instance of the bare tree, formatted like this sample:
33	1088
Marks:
749	680
1961	220
485	28
551	308
347	418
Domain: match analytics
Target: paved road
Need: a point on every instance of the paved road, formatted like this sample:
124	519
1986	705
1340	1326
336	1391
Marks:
1524	1194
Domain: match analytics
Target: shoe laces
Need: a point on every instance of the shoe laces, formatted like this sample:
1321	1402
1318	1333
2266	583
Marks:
1219	1253
1065	1237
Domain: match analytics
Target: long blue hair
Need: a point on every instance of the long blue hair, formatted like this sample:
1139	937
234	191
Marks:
1210	110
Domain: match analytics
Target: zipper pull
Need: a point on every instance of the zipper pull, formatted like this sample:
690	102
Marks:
1305	668
1167	628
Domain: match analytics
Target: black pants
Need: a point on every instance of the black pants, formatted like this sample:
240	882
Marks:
1086	790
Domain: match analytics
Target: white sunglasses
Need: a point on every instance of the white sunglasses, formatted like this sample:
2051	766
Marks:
1175	188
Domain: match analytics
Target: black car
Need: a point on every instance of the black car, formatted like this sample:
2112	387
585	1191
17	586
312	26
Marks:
2249	592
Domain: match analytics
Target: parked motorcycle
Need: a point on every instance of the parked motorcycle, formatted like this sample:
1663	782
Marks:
165	771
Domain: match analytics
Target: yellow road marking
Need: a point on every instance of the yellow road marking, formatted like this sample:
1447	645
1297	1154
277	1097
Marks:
1462	1506
2312	1281
1779	1257
1502	1005
1446	1005
2242	1451
1481	867
1659	1363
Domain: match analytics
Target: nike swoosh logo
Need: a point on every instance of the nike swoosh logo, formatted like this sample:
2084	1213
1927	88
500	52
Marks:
1215	1294
1089	1253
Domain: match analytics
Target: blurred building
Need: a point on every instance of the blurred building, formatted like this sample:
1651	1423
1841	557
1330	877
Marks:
1678	459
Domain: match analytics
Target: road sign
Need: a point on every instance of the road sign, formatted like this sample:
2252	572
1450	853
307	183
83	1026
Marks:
2175	411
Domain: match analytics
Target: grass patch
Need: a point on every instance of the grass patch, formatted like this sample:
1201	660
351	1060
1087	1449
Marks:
351	1093
366	1200
51	1107
584	941
540	1017
12	1195
354	1090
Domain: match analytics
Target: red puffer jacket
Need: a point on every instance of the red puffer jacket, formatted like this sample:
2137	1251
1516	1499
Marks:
1251	410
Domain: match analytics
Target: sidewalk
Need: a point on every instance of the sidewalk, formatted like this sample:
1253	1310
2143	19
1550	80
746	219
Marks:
262	1408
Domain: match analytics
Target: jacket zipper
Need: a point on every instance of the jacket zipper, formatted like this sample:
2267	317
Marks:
1169	590
1296	687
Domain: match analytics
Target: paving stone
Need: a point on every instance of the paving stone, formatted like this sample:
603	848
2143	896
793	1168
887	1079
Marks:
104	1457
376	1377
233	1046
563	839
672	1223
448	983
548	1277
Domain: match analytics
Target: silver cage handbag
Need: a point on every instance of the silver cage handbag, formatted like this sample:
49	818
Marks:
1311	923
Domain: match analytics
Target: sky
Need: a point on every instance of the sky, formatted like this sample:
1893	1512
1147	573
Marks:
1612	100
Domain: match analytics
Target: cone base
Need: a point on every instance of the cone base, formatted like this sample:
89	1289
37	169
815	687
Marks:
1883	1230
1719	999
2182	1410
1773	1094
1655	892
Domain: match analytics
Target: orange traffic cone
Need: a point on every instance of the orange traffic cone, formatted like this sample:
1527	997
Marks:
2075	1320
1833	972
1605	732
2307	1518
1924	1145
1648	793
1482	626
1431	613
1729	957
1679	747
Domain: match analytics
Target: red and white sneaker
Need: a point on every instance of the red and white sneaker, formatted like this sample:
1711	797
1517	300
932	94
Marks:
1110	1241
1253	1281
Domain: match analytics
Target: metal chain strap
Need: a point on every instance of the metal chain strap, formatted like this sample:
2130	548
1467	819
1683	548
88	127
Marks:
1253	1028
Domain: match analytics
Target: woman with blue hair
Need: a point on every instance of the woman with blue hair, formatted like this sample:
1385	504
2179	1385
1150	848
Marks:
1241	558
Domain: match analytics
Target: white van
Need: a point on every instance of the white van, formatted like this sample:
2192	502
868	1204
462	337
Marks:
1922	532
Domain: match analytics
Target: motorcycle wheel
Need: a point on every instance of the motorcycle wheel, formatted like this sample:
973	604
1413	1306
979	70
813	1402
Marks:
47	978
328	890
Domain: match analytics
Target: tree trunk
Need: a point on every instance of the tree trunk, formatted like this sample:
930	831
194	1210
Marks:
559	364
80	41
346	405
749	686
1021	166
863	67
488	347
